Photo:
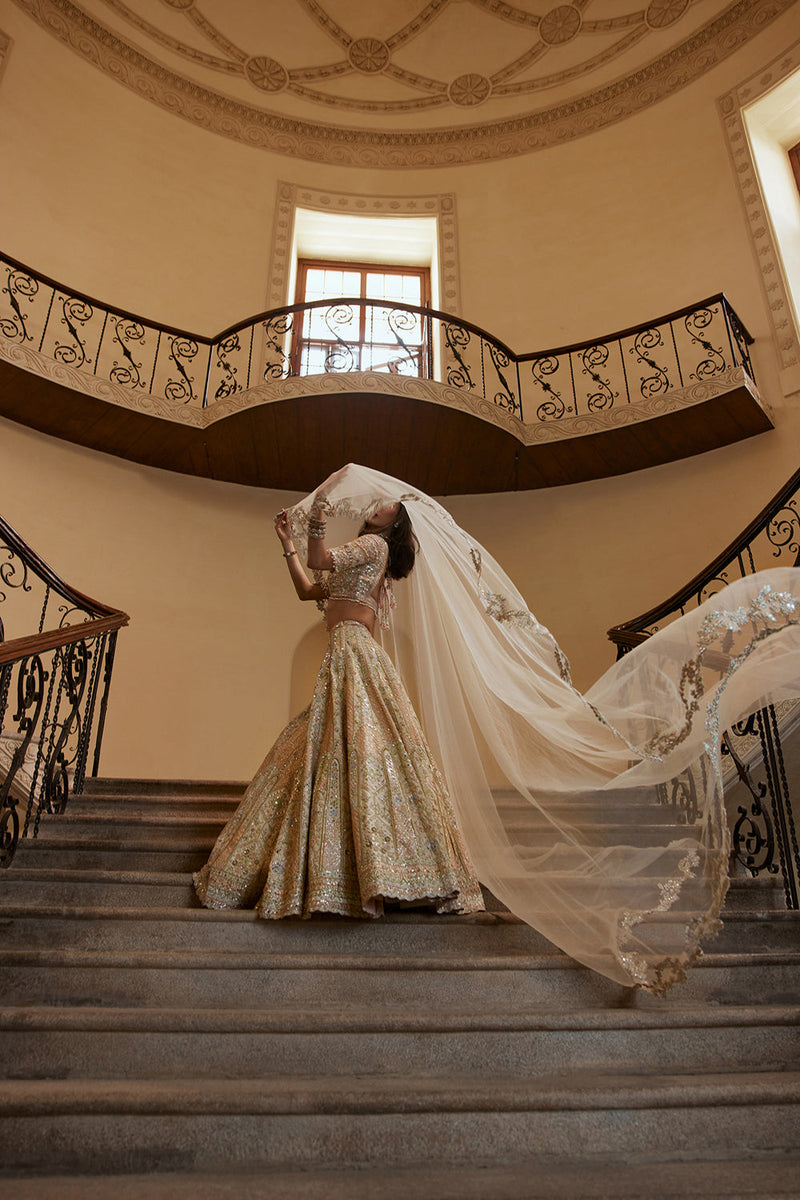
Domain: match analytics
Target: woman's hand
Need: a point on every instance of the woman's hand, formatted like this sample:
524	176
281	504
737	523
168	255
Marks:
324	489
282	528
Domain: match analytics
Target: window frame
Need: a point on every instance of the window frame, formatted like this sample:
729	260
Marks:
304	265
794	159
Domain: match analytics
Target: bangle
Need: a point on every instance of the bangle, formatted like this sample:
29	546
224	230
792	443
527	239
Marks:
316	529
289	553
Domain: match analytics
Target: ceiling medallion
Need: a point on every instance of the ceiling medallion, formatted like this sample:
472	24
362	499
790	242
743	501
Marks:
265	73
368	55
469	90
560	25
662	13
583	110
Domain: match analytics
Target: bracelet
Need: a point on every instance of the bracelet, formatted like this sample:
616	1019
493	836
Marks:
289	553
316	529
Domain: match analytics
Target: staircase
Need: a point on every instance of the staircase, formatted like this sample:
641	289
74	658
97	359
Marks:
154	1048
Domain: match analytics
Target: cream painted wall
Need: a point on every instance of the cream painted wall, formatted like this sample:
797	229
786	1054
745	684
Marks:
219	652
150	213
214	660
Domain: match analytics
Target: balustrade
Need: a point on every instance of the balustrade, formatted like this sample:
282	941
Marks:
54	689
764	832
694	345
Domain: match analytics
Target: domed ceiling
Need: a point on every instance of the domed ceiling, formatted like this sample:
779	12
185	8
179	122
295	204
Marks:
403	83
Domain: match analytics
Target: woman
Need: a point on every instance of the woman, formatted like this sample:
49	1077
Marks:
567	802
348	810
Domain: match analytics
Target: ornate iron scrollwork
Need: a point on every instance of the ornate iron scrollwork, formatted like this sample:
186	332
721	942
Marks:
714	362
457	338
73	662
753	836
594	358
278	330
229	385
76	312
400	322
18	284
680	796
342	357
31	678
740	338
554	408
646	341
783	530
501	362
182	350
56	681
126	333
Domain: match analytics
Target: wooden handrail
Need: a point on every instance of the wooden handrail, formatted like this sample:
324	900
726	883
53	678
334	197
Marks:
424	311
39	643
15	542
629	633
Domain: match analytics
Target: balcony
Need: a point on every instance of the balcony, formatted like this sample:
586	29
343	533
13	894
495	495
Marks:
283	398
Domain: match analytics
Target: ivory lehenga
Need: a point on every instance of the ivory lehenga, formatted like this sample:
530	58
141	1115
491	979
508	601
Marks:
564	799
349	808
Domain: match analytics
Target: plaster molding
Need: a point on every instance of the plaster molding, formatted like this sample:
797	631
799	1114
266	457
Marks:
6	42
779	306
291	196
101	389
373	383
390	148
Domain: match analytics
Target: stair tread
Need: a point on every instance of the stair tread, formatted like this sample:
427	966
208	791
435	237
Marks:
371	1094
402	1018
107	912
217	959
581	1178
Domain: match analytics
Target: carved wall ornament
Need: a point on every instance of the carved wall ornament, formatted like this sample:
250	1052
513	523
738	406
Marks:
404	75
5	51
290	196
779	305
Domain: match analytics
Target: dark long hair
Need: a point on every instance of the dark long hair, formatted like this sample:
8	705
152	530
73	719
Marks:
402	543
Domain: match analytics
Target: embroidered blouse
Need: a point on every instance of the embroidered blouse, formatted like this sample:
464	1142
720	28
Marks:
357	567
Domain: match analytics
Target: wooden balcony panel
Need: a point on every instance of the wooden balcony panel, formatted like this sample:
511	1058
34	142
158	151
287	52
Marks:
293	443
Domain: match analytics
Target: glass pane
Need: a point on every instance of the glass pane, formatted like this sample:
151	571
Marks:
387	324
333	320
392	359
403	289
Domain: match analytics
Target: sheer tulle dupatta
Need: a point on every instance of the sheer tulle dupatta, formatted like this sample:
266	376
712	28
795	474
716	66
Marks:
577	840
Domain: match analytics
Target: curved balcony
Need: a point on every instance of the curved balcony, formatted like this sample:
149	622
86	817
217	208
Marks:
285	397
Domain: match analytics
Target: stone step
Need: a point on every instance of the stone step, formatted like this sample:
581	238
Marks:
63	1043
191	789
153	827
150	1125
107	854
217	978
41	884
582	1179
409	931
133	825
113	927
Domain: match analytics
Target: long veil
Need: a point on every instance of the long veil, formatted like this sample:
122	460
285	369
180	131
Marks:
561	795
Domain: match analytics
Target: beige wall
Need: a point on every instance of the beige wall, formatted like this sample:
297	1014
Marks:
150	213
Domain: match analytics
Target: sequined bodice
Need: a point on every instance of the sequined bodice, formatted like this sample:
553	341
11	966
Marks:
357	567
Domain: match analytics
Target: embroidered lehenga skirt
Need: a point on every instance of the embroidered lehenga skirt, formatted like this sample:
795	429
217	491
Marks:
348	809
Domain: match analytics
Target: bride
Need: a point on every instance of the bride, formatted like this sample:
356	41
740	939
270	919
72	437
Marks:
559	799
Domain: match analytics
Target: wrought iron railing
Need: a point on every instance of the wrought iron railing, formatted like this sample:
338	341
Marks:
694	345
54	688
764	834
